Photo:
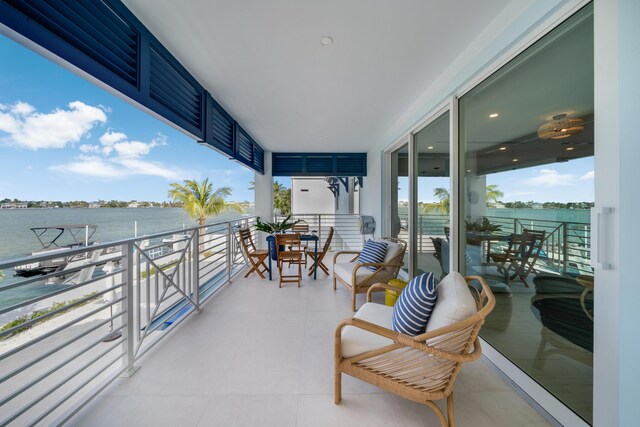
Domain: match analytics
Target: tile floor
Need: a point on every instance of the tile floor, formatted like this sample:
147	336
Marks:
257	355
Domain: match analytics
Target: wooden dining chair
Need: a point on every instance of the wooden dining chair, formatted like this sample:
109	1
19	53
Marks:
255	256
302	227
290	251
515	262
322	254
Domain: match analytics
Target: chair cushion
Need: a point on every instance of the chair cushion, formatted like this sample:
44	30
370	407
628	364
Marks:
373	251
345	269
413	308
392	249
455	302
356	341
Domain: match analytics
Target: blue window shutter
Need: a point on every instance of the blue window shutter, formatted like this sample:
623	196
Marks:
319	164
220	127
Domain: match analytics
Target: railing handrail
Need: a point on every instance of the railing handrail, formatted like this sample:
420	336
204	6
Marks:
28	259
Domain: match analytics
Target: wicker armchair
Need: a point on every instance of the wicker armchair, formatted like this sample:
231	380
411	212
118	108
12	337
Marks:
358	279
421	368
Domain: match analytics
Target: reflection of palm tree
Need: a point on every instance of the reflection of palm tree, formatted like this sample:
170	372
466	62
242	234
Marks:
200	201
444	199
1	275
493	194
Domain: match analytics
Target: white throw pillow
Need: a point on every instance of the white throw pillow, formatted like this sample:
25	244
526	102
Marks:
455	302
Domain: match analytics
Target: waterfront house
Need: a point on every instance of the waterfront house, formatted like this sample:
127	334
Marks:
13	205
405	100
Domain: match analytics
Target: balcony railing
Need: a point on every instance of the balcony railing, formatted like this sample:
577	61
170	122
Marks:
68	333
566	248
346	236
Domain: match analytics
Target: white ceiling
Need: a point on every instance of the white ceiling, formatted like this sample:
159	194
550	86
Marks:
262	60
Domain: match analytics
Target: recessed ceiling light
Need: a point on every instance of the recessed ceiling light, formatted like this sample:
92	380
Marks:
569	148
326	40
468	170
430	147
514	160
494	115
503	148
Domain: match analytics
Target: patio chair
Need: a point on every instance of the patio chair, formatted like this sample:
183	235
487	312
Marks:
518	256
537	253
255	256
420	368
322	254
357	279
289	250
302	227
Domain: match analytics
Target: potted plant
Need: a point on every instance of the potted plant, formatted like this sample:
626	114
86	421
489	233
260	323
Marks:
476	228
274	228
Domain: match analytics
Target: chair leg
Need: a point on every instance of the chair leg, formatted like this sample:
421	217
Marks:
299	273
334	283
353	302
450	414
438	411
337	385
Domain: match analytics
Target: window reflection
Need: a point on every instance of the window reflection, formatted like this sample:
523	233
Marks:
527	150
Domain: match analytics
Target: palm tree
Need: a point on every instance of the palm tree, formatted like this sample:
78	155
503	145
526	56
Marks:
200	201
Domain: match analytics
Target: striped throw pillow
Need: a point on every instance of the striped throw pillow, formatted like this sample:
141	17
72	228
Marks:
373	251
414	306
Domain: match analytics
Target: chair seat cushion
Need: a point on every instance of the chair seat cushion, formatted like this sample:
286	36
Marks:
373	251
345	269
455	302
356	341
414	306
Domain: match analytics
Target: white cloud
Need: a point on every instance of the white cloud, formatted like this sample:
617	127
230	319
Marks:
89	148
119	158
32	130
110	138
551	178
587	176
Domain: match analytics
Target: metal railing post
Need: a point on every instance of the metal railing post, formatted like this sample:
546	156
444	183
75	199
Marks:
421	233
319	229
195	269
127	291
229	257
565	243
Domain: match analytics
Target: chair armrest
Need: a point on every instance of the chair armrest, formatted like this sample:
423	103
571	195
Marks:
381	286
416	342
337	254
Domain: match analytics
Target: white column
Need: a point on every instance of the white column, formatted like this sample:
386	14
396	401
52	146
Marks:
264	196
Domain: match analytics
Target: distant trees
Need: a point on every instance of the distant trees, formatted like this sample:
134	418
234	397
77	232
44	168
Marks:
281	198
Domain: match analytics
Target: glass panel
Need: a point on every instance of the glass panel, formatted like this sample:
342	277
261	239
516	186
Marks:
433	190
528	167
400	198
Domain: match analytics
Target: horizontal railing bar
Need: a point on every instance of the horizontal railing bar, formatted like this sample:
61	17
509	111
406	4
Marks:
209	256
58	348
60	365
56	311
57	404
82	402
5	264
58	292
59	273
58	329
216	265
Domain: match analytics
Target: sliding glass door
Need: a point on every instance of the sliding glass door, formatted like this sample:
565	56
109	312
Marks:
527	174
399	198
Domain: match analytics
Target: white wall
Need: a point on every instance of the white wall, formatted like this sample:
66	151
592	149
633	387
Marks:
318	198
264	195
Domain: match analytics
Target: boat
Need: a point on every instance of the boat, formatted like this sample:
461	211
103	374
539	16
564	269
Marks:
60	239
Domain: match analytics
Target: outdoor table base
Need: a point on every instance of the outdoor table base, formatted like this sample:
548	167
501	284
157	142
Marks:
303	238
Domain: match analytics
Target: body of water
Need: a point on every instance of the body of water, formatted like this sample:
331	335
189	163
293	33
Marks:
16	238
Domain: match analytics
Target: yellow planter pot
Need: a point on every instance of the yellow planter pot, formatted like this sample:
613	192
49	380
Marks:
390	297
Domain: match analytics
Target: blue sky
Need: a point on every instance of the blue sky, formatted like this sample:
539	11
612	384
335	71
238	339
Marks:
63	138
556	182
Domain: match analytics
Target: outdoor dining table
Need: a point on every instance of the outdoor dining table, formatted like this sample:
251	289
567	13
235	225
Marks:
488	237
303	238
